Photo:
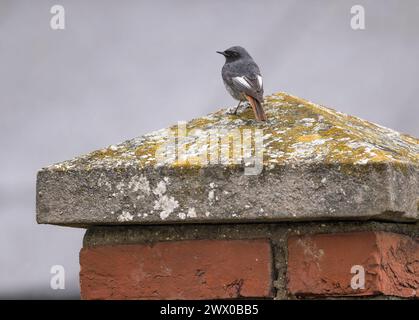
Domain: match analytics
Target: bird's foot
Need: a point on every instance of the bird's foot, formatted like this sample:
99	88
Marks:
242	108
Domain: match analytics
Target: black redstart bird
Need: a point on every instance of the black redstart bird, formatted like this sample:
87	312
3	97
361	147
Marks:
242	78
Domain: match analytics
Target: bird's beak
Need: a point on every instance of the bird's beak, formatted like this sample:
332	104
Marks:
221	52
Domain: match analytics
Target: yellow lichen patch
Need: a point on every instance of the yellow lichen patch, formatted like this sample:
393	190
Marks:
308	138
103	153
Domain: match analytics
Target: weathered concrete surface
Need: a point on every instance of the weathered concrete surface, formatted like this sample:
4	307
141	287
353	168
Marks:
278	233
317	164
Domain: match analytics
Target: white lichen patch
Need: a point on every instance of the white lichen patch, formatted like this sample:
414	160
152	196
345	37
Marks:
362	161
309	151
166	205
160	190
125	216
120	186
211	195
139	183
191	213
307	122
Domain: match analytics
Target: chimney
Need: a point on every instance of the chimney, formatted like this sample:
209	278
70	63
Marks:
312	203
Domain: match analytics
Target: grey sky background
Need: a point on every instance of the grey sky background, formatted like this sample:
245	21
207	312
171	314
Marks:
123	68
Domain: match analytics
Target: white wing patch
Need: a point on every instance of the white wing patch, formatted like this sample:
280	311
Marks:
260	81
242	81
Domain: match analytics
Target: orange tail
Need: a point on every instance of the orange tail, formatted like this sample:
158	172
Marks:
257	108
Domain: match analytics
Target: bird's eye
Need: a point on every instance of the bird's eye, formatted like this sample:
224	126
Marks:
232	54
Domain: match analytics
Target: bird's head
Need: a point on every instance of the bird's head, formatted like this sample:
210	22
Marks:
234	53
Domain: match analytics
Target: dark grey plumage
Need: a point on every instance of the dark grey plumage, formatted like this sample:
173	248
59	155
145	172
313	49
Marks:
242	79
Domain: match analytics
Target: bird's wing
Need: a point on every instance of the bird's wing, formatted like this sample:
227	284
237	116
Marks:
252	85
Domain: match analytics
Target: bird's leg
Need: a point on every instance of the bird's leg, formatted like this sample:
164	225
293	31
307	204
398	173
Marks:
237	108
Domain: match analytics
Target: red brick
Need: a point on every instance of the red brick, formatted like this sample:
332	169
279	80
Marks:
321	264
197	269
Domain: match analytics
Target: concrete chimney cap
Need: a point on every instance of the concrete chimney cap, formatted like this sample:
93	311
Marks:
307	162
